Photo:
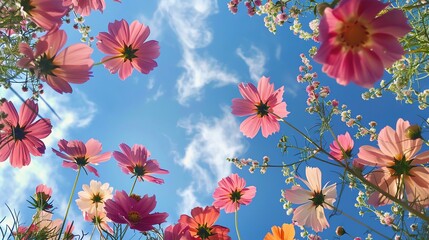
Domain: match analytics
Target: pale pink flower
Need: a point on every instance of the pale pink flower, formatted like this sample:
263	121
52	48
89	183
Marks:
58	69
231	193
100	220
358	42
45	226
314	201
93	197
178	231
126	48
400	169
47	14
264	105
85	7
342	147
77	154
202	224
134	210
135	161
21	136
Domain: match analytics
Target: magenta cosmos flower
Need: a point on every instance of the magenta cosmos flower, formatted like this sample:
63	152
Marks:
77	154
264	105
21	136
126	48
201	224
342	147
314	201
399	166
134	211
358	42
134	161
46	14
84	8
58	69
231	193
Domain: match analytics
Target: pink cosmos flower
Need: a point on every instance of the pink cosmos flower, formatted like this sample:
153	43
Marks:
263	104
126	48
77	154
21	135
58	69
178	231
314	201
134	211
46	14
42	197
231	193
93	197
201	224
342	148
358	42
134	161
400	170
100	220
84	8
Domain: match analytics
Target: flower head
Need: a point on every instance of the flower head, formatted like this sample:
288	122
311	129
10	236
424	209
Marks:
47	14
358	42
342	147
400	168
58	69
77	154
21	136
286	232
134	211
42	197
84	8
100	220
231	193
178	231
134	161
93	197
314	201
263	104
126	48
201	224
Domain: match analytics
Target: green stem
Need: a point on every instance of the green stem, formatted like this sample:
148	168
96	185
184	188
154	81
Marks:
131	191
236	224
70	200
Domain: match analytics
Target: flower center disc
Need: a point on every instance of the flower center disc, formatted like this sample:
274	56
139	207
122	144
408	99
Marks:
354	34
134	216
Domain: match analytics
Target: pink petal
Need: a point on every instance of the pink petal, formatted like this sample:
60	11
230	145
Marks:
393	23
250	126
242	107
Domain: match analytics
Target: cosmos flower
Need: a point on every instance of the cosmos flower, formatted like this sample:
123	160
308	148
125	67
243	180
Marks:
134	211
231	193
314	201
42	197
201	224
47	14
134	161
286	232
342	148
263	104
84	8
58	68
100	220
21	136
77	154
93	197
400	169
126	48
178	231
357	42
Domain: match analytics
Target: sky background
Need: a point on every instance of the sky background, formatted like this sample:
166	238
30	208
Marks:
181	113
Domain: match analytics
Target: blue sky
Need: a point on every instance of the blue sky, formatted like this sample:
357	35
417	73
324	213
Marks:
181	113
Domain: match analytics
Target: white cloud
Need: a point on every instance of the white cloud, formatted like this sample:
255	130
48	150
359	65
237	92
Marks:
19	184
255	59
159	93
213	140
278	52
189	200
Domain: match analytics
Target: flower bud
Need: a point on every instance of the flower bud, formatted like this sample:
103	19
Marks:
340	231
321	8
413	132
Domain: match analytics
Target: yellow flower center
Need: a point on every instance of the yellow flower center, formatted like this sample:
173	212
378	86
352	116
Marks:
134	216
354	34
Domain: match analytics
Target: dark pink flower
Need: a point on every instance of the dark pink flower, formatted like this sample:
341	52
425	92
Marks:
77	154
58	69
231	193
263	104
358	42
21	135
135	161
45	13
342	147
126	48
134	211
84	8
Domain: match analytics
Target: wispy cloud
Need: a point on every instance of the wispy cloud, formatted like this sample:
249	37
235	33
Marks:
255	59
213	140
278	52
159	93
189	200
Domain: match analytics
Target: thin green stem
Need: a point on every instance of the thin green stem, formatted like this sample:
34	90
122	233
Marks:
236	224
131	192
70	200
